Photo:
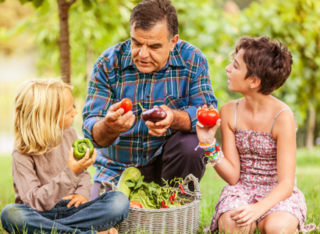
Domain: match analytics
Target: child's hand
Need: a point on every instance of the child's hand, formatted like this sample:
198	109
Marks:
76	200
82	164
246	214
206	134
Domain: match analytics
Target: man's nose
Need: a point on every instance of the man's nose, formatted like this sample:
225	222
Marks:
144	52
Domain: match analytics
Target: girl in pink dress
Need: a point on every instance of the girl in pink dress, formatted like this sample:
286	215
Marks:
258	159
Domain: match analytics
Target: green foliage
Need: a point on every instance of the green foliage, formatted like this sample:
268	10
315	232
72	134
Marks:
294	22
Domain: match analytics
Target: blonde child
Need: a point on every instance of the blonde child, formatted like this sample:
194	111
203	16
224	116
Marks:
258	160
52	189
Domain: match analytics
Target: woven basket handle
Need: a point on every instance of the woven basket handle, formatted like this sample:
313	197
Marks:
104	185
196	184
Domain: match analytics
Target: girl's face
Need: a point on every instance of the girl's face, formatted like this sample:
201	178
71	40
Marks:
236	72
69	112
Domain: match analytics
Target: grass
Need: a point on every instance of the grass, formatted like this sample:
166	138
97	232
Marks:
308	180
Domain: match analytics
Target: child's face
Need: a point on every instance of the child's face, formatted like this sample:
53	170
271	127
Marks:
70	112
236	72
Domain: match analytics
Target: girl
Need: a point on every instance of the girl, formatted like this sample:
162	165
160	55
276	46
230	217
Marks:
52	189
258	160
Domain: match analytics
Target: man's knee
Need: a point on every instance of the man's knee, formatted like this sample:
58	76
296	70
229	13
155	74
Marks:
12	217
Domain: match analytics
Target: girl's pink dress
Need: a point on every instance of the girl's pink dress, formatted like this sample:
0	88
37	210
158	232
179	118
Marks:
258	176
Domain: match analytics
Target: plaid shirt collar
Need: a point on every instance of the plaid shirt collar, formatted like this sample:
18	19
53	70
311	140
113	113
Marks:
175	58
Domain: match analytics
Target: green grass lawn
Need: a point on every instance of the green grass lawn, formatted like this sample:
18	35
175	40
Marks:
308	177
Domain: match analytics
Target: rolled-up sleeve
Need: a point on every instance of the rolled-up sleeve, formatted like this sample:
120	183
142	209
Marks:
200	93
99	98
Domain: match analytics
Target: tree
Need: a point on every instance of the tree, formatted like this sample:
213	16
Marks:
63	42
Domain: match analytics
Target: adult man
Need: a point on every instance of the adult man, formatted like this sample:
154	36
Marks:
152	68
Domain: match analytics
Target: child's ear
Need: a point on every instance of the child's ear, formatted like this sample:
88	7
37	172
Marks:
255	82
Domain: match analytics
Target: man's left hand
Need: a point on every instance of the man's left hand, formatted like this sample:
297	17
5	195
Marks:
75	199
160	127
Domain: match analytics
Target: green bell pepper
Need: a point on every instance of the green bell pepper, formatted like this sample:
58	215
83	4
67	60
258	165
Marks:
80	146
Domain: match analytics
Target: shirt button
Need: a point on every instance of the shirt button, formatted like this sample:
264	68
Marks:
148	96
144	155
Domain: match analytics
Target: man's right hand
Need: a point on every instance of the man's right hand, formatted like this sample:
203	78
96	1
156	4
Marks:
116	121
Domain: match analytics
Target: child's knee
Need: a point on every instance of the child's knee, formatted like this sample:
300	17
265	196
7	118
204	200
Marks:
118	202
12	217
279	227
227	225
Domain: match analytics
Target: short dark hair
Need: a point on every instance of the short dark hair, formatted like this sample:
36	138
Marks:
269	60
150	12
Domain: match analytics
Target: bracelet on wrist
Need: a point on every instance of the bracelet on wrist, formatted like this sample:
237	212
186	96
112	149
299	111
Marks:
204	146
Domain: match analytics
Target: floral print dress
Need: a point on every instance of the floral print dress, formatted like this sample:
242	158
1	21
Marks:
258	176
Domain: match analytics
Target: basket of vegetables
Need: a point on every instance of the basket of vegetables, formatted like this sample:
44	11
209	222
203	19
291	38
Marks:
158	209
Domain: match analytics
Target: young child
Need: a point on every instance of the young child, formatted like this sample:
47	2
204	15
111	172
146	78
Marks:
258	160
52	189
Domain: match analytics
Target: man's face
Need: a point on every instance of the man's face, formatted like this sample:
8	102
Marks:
150	49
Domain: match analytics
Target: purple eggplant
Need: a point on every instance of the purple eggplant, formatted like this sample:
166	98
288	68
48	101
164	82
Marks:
155	114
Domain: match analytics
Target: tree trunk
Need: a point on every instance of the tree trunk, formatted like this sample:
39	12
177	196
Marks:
64	46
311	127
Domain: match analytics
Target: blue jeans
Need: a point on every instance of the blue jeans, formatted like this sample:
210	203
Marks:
98	215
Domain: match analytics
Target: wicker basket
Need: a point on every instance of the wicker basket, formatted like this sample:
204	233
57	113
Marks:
183	219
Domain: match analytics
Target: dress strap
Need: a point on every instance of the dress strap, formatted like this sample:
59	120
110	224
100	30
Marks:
274	120
235	115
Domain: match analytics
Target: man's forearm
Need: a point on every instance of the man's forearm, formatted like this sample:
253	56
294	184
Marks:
102	134
181	121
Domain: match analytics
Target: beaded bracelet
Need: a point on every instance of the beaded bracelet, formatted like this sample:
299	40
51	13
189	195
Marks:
206	146
217	161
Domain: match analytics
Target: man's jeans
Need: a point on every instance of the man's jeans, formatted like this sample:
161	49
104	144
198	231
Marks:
97	215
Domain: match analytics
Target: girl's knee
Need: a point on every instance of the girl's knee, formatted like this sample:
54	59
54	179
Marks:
227	225
279	222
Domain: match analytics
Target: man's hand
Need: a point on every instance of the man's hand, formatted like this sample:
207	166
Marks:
82	164
118	122
76	200
160	127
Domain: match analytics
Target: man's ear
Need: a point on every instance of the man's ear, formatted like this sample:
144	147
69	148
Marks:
255	82
173	42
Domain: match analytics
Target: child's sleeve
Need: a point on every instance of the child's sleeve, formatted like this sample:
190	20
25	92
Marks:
84	186
32	192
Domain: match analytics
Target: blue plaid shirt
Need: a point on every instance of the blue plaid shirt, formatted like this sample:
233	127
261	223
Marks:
183	83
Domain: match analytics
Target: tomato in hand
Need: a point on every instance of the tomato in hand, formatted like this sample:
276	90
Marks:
126	105
135	204
208	117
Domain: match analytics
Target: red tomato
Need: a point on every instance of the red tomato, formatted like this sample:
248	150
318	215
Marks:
135	204
208	117
126	105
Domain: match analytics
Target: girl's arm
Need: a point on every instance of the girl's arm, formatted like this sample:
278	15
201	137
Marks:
284	133
229	167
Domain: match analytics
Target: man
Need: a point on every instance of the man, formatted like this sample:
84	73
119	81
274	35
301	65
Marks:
152	68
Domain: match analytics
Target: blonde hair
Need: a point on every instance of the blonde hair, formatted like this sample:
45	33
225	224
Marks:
39	106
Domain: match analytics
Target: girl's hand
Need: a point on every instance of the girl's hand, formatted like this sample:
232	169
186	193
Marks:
245	215
76	200
206	134
82	164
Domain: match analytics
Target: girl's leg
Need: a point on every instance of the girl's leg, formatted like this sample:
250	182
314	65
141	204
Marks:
279	222
227	225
